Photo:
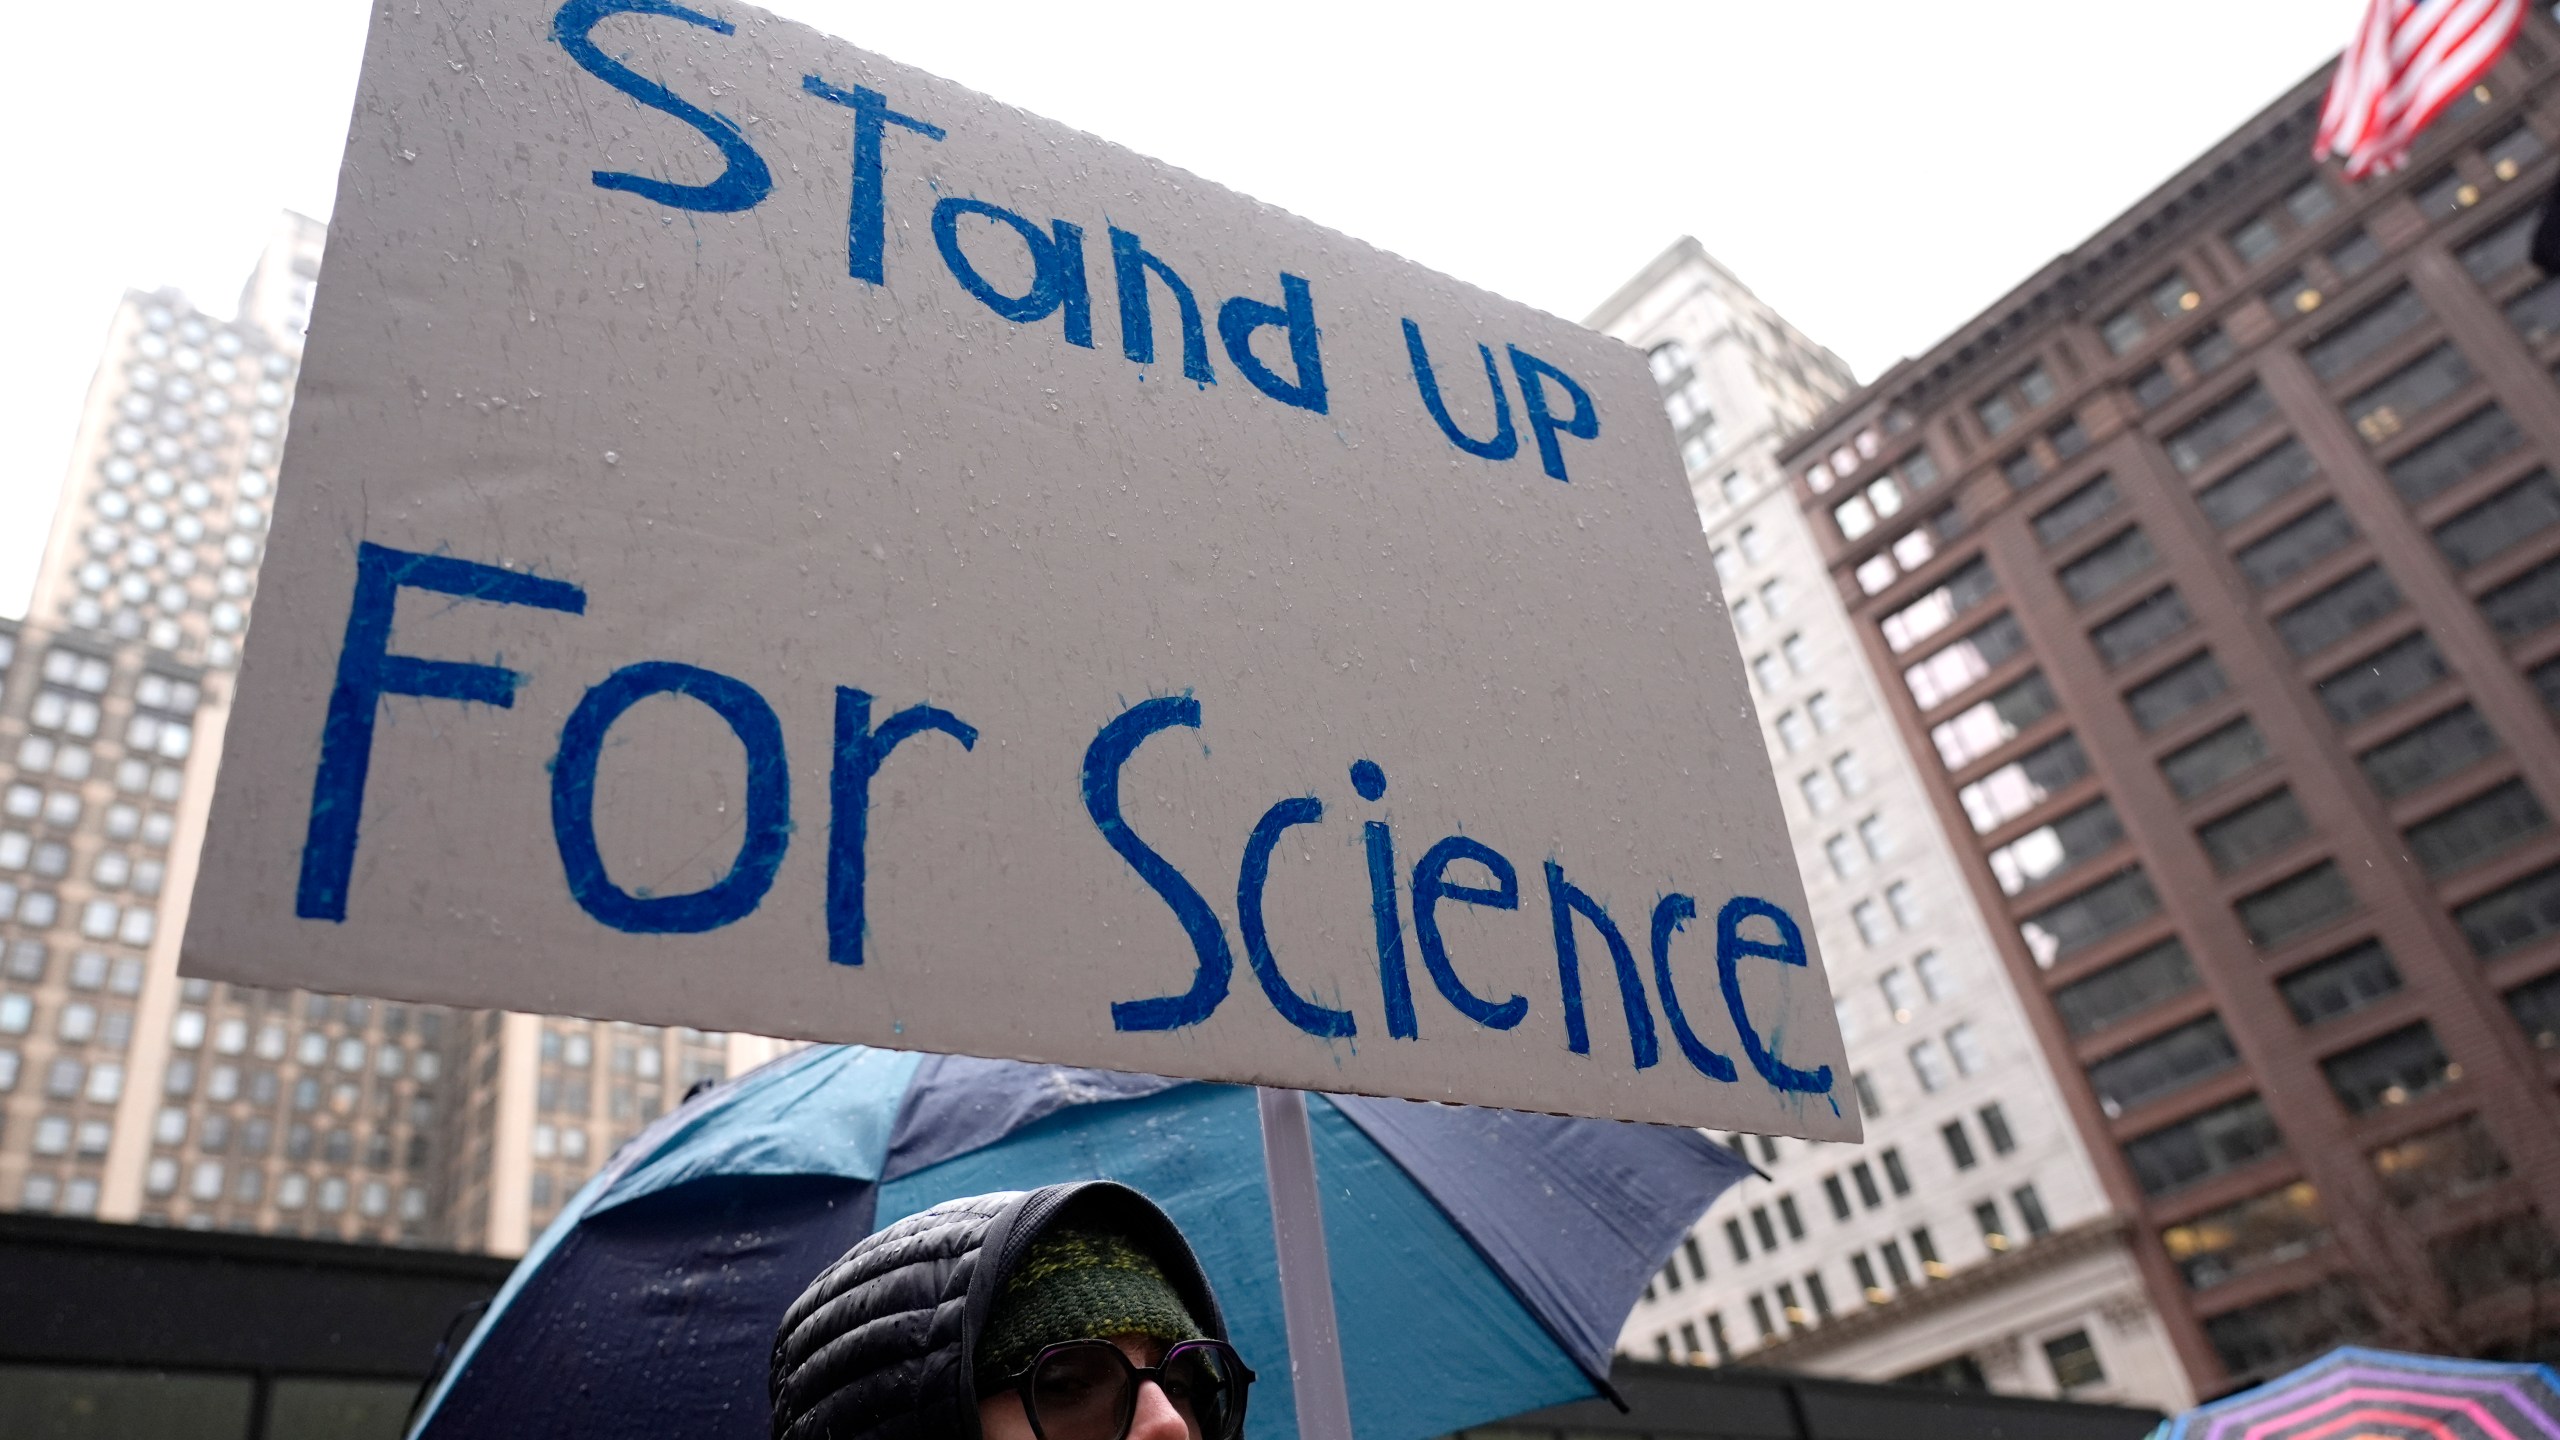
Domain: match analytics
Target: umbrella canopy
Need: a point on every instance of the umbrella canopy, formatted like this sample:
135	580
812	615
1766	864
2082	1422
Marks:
1483	1260
2385	1395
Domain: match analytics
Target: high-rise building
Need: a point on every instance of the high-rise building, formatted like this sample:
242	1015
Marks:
2217	568
1969	1240
126	1092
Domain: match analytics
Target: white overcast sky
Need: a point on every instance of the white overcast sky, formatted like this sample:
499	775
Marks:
1878	172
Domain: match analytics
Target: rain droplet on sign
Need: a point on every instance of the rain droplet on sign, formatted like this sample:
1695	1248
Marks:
612	457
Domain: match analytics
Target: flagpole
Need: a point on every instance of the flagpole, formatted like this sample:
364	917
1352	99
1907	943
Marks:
1306	1275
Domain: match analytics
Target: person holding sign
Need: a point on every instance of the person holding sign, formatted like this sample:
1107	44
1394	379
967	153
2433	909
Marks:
1081	1315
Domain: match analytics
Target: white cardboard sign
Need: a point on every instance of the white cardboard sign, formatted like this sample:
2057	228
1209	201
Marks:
774	541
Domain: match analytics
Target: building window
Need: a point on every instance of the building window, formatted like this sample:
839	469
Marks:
1792	731
2464	449
1880	501
1865	1179
2535	1004
1954	668
2500	523
2365	334
2339	611
1991	723
2263	827
1898	997
1869	917
1837	1194
1733	1238
2126	987
2319	533
2296	905
2388	1071
1823	711
2387	407
1873	837
1865	1270
2211	350
2195	444
2223	1138
1963	589
2263	1339
1895	1177
2444	1164
1930	1064
2028	390
2256	484
2024	783
2175	691
2054	850
1870	1104
1852	775
2526	604
2476	829
2074	1358
2341	984
2536	313
1986	1218
2142	627
2168	298
2114	904
1894	1265
1959	1145
1760	1317
2233	750
2382	680
2222	1245
2109	565
2510	1252
1843	855
2163	1065
1905	902
2511	149
1819	796
2153	386
2077	511
2264	233
1995	1128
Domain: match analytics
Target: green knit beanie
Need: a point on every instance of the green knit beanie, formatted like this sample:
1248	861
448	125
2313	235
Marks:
1077	1284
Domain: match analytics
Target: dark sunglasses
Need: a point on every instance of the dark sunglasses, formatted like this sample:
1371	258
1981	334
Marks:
1088	1389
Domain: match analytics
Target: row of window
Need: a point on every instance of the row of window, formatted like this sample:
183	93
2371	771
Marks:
29	958
100	918
217	1132
67	1077
76	1022
329	1194
70	760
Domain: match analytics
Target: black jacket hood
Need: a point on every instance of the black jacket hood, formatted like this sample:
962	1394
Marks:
883	1344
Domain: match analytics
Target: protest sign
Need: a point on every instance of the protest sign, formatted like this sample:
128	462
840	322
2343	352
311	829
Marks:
772	540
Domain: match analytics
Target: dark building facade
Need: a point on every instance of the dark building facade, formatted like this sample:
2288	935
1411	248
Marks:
2215	574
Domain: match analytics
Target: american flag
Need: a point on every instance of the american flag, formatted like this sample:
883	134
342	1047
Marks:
2409	59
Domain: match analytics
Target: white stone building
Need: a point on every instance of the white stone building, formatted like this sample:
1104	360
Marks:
1968	1241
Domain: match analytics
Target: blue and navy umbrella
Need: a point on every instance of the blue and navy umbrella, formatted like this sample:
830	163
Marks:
1482	1260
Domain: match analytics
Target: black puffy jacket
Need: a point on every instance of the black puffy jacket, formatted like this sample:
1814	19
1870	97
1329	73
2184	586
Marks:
883	1344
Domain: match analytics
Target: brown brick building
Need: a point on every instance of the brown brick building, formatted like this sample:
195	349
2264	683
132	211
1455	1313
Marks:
2217	570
